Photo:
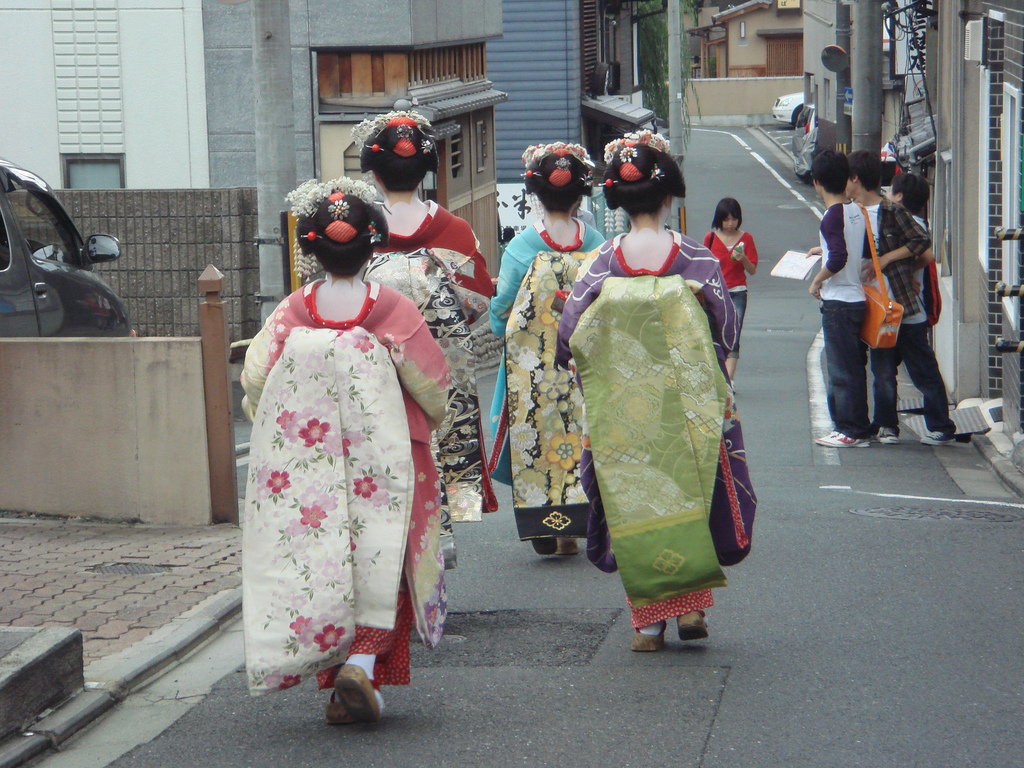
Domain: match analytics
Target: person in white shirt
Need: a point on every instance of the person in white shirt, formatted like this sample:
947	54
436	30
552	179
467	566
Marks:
838	286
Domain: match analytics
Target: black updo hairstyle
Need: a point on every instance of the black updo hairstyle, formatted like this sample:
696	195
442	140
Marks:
640	177
369	230
554	196
398	171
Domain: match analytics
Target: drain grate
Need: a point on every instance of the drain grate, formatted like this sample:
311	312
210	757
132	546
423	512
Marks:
911	513
130	569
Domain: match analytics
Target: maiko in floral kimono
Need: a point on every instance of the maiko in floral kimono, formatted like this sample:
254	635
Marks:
342	514
666	470
537	411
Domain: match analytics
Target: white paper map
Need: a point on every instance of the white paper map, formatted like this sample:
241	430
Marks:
796	265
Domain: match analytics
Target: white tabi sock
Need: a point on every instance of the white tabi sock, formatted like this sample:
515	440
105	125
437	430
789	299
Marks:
363	660
653	629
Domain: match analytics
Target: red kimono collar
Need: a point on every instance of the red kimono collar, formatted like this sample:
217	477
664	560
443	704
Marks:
309	300
539	226
410	242
621	259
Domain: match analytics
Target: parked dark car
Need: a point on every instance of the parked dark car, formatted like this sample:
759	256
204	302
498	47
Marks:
47	283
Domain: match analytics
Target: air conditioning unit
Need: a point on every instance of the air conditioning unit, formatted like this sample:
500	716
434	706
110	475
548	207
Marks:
974	40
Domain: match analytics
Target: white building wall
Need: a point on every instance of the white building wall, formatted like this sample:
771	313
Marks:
109	77
164	89
28	98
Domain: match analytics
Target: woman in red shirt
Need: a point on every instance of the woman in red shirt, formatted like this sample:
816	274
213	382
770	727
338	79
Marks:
736	252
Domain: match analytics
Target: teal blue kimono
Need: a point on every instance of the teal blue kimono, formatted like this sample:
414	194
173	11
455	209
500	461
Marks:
537	411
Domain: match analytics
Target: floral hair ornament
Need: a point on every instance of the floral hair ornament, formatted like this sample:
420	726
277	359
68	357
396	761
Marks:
562	174
307	197
310	195
369	130
537	152
339	208
626	149
641	138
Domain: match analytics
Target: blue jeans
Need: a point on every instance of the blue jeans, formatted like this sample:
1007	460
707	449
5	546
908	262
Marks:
915	352
846	360
739	300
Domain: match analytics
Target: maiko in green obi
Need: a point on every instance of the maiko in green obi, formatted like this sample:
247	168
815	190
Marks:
655	404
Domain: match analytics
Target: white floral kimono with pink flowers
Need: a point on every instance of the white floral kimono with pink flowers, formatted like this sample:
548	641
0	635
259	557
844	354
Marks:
342	502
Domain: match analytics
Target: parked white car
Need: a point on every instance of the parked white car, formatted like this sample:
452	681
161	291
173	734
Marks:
787	108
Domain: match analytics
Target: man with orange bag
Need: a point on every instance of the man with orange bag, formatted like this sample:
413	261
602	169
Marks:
901	242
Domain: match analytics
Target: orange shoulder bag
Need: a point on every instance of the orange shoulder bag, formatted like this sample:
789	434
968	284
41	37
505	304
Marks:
882	321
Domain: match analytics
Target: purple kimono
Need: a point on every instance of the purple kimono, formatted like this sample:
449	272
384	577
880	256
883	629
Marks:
733	503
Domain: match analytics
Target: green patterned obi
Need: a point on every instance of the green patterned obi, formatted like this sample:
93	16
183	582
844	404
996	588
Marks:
655	400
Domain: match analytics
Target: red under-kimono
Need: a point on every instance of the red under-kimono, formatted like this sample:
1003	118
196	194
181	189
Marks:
443	229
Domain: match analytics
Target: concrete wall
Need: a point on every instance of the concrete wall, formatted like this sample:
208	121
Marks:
315	24
736	100
108	428
30	99
957	226
168	237
230	93
819	31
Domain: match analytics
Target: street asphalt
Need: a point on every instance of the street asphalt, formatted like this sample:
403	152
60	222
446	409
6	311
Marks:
875	623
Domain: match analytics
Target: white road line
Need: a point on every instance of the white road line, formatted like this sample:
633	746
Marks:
928	498
770	170
821	422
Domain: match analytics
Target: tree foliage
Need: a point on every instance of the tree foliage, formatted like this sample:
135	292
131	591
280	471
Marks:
652	51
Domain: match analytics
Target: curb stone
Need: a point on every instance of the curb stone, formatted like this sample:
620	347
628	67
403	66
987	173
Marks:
111	679
1007	471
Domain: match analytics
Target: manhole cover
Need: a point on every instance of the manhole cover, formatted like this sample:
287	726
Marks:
131	569
911	513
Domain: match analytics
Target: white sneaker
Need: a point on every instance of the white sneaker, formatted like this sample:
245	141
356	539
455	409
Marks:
888	436
937	438
839	440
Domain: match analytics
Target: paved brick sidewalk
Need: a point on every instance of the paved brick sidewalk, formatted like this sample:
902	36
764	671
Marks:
47	577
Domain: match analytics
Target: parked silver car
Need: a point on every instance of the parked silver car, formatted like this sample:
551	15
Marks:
805	142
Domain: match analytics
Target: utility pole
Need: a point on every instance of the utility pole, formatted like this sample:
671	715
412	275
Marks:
867	64
675	104
275	141
843	127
